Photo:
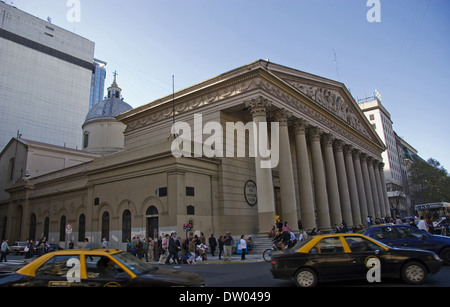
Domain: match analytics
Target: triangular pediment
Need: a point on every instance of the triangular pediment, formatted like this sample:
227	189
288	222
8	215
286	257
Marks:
329	95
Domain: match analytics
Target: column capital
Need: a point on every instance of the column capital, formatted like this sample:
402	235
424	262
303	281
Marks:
348	149
327	139
363	157
314	133
300	126
258	106
282	116
356	153
338	145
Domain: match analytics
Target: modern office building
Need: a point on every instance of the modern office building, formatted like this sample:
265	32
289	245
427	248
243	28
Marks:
45	79
97	82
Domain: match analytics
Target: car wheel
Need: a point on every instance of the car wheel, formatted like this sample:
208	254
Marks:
305	278
445	255
414	273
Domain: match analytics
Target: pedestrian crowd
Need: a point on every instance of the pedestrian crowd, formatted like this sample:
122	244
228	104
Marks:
171	249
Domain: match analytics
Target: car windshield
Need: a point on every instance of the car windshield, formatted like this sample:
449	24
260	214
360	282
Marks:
300	244
134	264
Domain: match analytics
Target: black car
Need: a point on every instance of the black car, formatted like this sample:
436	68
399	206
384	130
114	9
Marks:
409	236
346	256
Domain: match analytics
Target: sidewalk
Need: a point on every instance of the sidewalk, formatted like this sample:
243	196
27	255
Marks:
235	258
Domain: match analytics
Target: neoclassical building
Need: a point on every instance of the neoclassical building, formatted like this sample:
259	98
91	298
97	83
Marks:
329	166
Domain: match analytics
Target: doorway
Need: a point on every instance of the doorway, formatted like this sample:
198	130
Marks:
152	222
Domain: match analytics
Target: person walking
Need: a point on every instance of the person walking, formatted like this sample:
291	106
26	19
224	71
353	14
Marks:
212	244
220	247
243	247
422	225
174	247
4	249
192	246
29	249
145	249
227	241
151	247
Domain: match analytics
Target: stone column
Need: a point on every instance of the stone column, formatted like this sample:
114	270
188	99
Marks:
373	186
367	188
287	187
264	182
308	216
334	201
360	185
320	185
383	184
344	194
352	187
379	188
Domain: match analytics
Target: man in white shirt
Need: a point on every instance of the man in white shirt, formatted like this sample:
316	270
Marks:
422	225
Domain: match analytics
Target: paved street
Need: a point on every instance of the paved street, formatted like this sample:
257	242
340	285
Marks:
255	272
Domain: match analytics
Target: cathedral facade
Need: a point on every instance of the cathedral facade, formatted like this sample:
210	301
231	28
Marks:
328	165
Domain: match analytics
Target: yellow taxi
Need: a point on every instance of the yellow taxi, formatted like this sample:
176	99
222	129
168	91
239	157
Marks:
96	268
343	256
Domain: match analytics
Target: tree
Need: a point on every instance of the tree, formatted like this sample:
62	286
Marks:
430	181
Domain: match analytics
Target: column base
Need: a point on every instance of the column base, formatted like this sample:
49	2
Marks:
265	222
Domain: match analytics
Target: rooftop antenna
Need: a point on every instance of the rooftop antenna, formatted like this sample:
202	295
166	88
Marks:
173	135
335	62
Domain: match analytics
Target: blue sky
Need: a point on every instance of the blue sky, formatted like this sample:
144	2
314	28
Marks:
405	56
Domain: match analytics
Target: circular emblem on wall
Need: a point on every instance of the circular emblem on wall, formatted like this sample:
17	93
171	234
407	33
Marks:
250	193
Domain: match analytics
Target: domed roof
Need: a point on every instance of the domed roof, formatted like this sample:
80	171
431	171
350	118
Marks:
110	107
107	109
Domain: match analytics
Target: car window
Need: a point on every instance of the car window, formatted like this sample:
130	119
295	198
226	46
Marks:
385	233
56	266
101	267
358	244
409	233
328	246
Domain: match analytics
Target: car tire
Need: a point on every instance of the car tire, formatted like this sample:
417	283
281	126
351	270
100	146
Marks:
305	278
445	255
414	273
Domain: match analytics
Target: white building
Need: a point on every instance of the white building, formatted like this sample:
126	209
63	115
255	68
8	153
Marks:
380	119
45	79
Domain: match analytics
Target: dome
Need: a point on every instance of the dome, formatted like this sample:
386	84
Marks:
110	107
107	109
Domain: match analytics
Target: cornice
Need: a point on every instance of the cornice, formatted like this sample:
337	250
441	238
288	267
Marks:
255	77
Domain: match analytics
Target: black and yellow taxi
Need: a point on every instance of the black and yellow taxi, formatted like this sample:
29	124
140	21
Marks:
96	268
346	256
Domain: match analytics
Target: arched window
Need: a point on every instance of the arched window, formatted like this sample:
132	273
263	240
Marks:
62	228
81	228
126	225
105	225
32	232
152	210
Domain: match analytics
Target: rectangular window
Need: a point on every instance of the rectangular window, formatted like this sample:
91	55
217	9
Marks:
190	191
162	192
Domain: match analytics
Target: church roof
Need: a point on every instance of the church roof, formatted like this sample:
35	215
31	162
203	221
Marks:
110	107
